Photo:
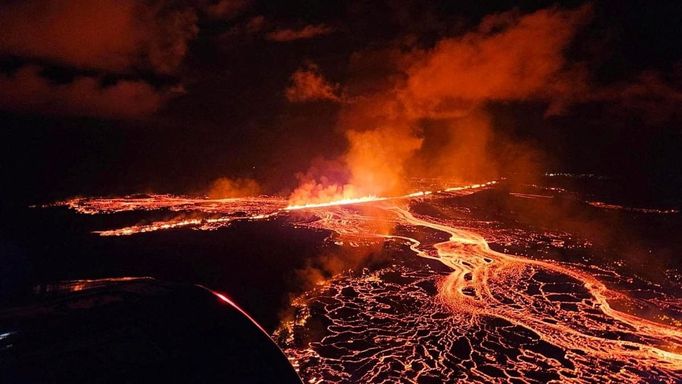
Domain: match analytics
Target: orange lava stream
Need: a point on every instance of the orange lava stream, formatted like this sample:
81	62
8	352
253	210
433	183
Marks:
229	210
474	264
484	282
371	199
481	283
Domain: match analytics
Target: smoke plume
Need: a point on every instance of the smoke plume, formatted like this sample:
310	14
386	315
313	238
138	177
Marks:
224	188
308	84
438	96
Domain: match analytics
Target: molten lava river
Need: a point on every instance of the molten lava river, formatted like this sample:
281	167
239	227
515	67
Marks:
459	296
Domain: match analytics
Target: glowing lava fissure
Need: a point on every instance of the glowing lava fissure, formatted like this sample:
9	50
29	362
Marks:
209	214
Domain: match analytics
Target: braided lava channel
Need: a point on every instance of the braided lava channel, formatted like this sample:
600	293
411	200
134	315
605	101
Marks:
492	317
460	312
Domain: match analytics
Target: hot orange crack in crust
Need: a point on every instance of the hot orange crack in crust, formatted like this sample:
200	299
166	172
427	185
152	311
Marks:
493	316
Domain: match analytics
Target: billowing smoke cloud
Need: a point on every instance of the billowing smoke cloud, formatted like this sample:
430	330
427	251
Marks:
649	97
508	58
307	32
322	268
27	90
112	35
445	89
119	38
224	188
308	84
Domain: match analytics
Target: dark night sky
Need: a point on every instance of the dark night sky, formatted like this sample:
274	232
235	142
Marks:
167	96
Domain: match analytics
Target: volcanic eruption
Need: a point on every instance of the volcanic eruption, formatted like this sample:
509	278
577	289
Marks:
407	207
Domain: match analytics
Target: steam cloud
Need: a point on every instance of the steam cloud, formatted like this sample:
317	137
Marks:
224	188
109	37
112	35
307	32
307	84
27	90
508	57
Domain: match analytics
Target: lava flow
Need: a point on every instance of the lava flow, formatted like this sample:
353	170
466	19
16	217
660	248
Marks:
193	212
488	317
461	311
208	214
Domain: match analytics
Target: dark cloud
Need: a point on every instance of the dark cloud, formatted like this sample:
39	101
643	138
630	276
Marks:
227	9
26	90
167	43
93	39
245	30
307	84
307	32
650	97
110	35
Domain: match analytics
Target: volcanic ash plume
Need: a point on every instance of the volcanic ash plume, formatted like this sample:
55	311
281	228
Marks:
224	187
427	115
